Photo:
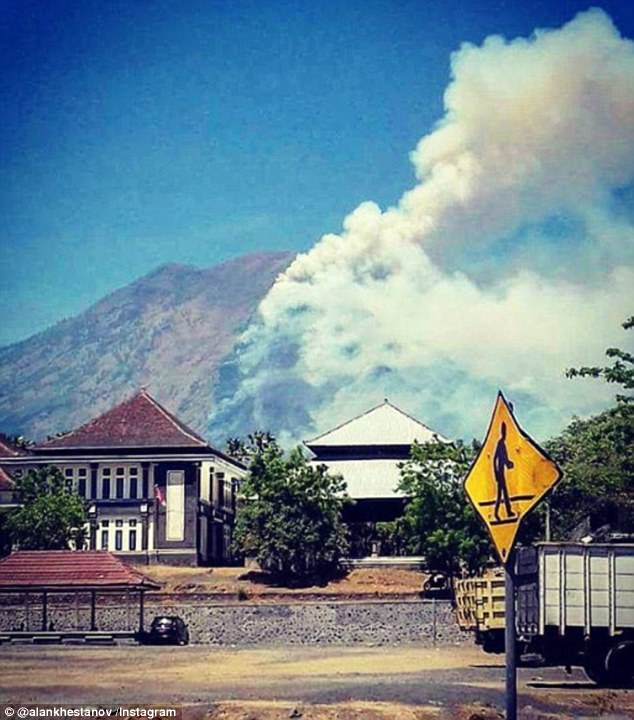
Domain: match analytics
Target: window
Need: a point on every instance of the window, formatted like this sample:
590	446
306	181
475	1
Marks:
118	523
132	534
219	494
134	482
118	540
120	482
68	477
104	539
82	480
208	491
105	523
105	482
224	491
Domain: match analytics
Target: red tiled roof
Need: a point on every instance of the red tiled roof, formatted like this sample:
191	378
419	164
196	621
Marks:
8	449
59	569
137	422
5	480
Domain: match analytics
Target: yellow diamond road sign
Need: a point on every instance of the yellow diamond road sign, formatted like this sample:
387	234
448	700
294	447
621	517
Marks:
509	477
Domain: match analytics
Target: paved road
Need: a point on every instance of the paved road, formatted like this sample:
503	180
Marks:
419	676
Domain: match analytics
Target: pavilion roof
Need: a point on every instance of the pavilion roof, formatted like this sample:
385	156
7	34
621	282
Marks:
384	424
69	570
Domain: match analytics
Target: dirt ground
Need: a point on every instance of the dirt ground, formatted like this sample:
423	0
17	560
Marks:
232	581
381	711
329	683
342	711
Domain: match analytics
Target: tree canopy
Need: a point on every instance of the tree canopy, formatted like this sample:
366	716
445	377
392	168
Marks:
597	457
597	454
245	450
290	518
620	372
439	522
51	517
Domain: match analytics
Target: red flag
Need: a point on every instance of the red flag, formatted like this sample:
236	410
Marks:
159	496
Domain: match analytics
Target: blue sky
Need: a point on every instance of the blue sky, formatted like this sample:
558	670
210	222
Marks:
135	134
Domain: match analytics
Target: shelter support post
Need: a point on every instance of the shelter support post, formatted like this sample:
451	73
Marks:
141	610
44	610
93	610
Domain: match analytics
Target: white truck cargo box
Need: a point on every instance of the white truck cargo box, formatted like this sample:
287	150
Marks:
586	586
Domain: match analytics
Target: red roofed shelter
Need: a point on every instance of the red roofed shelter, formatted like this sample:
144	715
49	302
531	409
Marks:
154	488
67	572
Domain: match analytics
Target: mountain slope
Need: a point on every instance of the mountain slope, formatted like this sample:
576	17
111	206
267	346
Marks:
169	330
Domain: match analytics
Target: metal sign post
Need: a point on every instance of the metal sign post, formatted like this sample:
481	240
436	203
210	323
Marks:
507	480
510	645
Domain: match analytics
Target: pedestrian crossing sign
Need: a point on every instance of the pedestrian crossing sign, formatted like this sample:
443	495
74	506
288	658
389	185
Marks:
508	478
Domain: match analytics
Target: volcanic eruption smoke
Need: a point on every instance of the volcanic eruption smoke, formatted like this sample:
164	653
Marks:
510	260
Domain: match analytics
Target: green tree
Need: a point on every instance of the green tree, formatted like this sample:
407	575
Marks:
51	515
244	450
597	454
620	372
291	516
597	457
439	522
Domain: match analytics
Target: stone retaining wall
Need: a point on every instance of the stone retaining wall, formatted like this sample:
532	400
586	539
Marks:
247	624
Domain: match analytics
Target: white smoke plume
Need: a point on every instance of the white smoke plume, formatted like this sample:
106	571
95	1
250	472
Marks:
510	260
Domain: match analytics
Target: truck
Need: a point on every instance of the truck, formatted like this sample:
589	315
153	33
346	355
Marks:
480	609
574	607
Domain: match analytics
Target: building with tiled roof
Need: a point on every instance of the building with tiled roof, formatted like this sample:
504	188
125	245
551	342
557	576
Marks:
155	489
366	451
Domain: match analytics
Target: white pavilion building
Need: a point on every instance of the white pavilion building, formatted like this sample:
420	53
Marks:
366	451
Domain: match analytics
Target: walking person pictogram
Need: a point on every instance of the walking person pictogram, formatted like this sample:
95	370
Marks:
501	463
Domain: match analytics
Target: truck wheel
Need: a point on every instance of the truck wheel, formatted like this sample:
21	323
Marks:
493	641
619	664
595	667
